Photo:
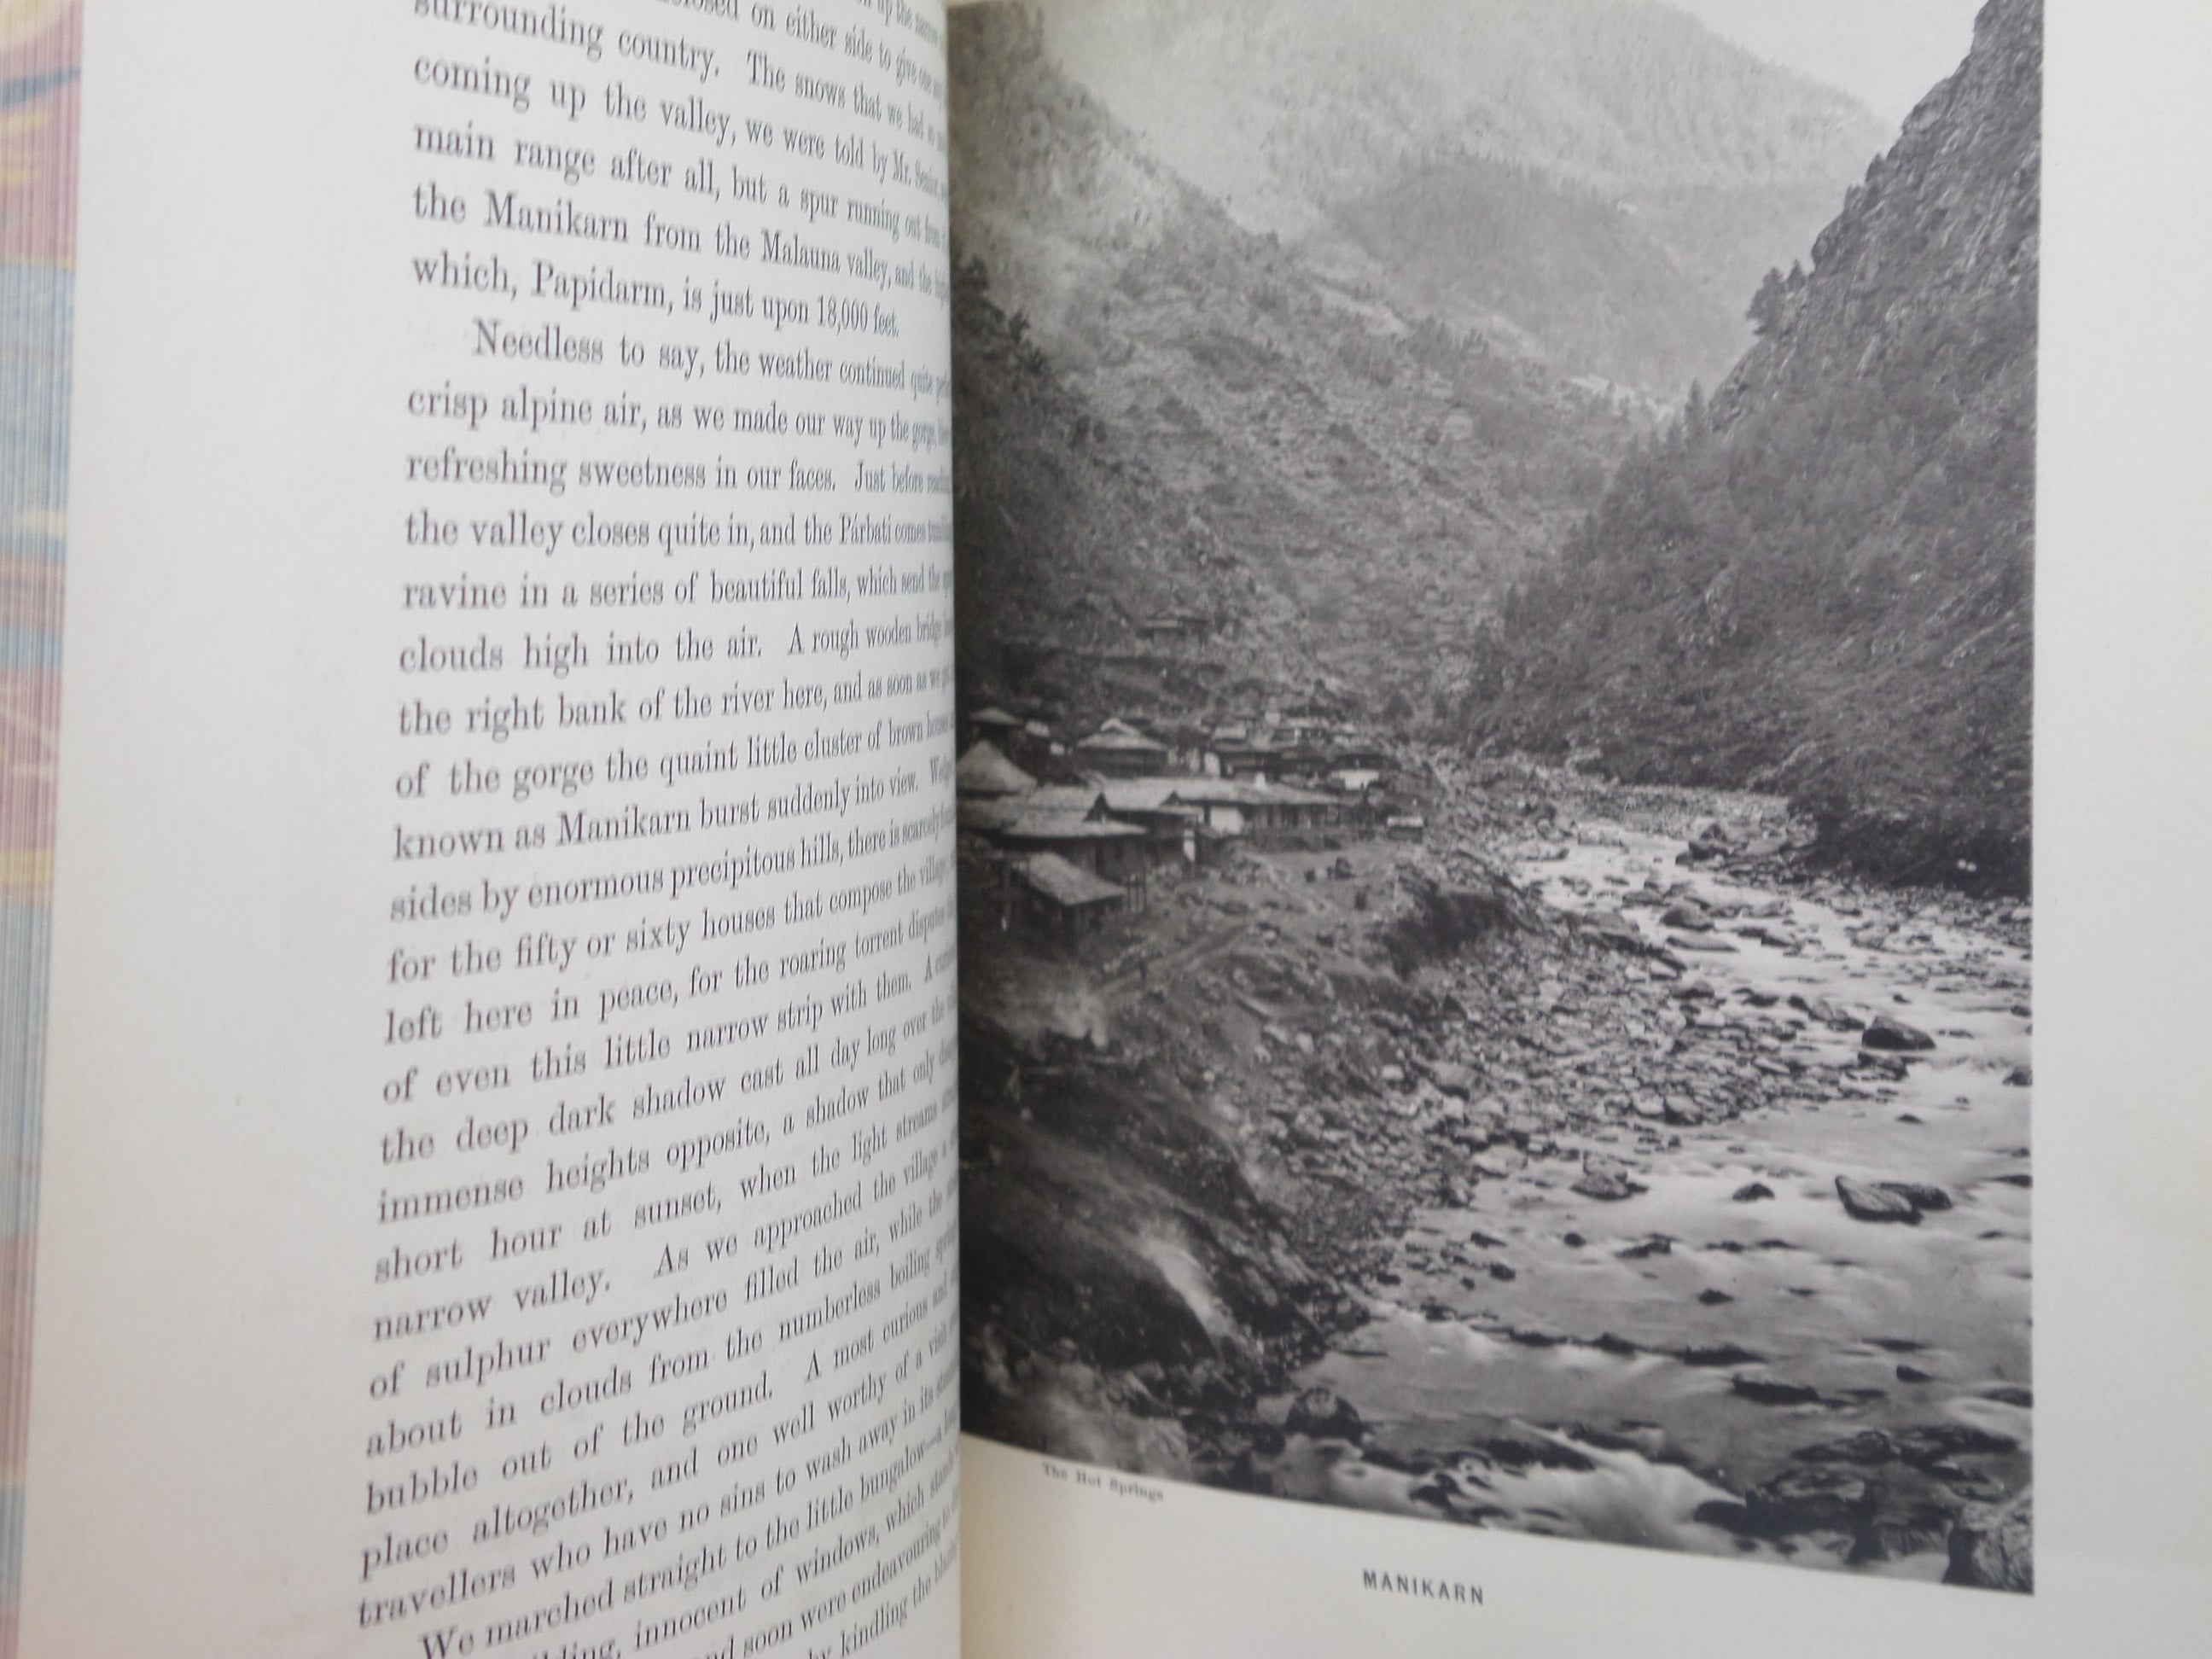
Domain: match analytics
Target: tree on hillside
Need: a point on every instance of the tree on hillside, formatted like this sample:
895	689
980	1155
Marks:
1769	304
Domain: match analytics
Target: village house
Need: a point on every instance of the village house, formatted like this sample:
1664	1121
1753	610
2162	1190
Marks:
1358	762
1061	902
985	773
1118	750
1188	744
1171	824
1073	822
1033	747
1237	752
1265	815
1024	739
994	725
988	817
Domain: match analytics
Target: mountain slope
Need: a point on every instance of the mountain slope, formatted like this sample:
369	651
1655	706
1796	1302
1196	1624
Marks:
1340	129
1223	433
1822	579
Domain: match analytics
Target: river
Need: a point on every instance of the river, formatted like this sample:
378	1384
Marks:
1727	1361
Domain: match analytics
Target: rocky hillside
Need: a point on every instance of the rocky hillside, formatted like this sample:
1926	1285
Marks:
1821	579
1160	411
1423	147
1048	495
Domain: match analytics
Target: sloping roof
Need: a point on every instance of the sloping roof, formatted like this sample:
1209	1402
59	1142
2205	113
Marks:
984	770
1067	827
1072	799
1238	792
1065	812
1064	884
1181	734
1105	741
1142	794
991	815
997	717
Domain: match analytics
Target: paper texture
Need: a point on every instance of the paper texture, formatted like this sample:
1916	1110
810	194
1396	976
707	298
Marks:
499	1191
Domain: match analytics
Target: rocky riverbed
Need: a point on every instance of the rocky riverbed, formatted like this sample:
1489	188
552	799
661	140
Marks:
1596	1170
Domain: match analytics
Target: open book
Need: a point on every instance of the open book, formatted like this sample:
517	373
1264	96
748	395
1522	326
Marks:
1422	1023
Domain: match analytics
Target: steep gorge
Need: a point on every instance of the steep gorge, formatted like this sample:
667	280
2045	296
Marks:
1821	579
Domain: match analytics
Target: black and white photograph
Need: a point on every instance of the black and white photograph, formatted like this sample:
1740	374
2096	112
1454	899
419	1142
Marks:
1494	544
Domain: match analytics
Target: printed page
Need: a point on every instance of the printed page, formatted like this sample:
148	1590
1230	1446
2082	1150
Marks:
1572	795
498	1184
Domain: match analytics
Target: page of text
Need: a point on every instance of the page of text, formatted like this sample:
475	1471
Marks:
501	1183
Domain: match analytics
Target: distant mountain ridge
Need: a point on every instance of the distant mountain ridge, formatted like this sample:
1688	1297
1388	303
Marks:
1224	433
1354	133
1822	579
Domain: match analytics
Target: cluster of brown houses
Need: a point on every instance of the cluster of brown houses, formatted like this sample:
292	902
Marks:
1133	805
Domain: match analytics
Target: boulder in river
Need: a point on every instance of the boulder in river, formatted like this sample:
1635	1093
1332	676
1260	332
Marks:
1894	1036
1723	1358
1754	1192
1324	1414
1993	1545
1766	1391
1835	1016
1866	1203
1452	1079
1866	1448
1807	1500
1606	1180
1612	928
1941	1443
1920	1195
1439	1490
1687	914
1528	1449
1780	937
